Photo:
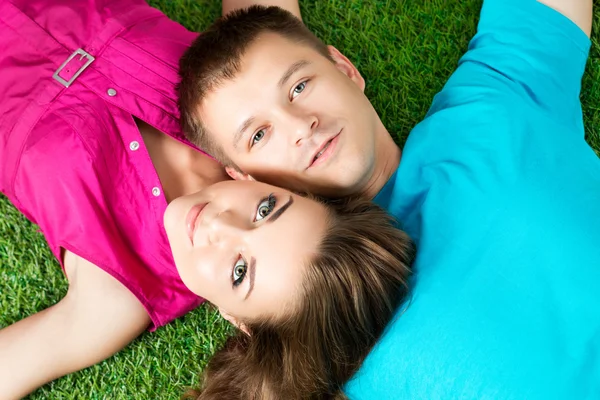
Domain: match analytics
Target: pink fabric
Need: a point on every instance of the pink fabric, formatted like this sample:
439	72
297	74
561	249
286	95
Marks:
68	155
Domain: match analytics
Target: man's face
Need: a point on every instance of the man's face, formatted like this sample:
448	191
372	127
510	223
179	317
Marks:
293	118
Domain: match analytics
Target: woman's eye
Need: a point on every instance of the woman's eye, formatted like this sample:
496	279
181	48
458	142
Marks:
299	89
258	136
239	272
265	208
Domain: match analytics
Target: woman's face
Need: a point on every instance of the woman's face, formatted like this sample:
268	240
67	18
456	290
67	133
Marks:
243	245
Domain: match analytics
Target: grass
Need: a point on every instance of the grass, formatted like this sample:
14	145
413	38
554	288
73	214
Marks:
405	49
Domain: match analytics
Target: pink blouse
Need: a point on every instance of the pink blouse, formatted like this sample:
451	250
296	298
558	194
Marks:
72	75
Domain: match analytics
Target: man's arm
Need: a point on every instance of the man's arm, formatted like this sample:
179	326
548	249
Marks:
290	5
97	318
530	50
578	11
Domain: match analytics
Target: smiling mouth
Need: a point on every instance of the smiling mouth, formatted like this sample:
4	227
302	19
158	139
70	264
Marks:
325	152
319	154
191	220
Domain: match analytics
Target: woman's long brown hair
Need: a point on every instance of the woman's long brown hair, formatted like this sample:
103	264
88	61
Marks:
351	290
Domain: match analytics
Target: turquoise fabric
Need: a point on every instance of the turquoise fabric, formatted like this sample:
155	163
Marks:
502	196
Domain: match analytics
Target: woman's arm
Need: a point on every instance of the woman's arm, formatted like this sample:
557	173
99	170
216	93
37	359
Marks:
290	5
97	318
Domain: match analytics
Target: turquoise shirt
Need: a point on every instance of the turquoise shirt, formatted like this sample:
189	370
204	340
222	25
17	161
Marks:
502	195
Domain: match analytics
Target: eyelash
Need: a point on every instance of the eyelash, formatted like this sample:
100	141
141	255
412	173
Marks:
271	202
252	143
236	282
305	83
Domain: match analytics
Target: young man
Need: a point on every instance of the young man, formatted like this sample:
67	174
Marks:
92	152
497	187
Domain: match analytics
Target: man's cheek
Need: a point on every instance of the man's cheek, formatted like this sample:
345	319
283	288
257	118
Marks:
277	158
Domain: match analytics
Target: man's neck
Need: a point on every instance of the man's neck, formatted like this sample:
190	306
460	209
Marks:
387	160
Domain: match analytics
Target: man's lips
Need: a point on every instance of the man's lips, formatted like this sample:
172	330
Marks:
191	220
327	149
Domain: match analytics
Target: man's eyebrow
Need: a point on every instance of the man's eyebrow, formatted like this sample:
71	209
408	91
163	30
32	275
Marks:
240	132
252	274
281	210
291	70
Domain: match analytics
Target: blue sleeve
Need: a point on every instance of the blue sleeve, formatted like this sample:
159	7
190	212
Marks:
523	49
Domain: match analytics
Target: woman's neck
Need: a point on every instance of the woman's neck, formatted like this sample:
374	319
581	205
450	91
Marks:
181	169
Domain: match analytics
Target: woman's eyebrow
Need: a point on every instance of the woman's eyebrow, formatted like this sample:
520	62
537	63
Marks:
281	210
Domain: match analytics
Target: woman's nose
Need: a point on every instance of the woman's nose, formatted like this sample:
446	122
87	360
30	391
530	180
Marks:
226	227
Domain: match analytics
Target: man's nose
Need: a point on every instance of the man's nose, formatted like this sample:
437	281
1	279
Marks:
302	127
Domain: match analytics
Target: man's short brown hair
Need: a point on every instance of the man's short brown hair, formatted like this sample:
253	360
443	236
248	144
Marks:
215	56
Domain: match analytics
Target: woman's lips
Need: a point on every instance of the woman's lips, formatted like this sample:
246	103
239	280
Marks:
192	219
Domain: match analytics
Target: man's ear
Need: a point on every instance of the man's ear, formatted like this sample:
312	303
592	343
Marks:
345	65
238	175
232	320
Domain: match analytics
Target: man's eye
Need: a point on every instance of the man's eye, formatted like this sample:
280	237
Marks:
258	136
239	272
265	208
299	89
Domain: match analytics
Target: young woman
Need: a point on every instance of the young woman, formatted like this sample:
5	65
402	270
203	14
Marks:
92	152
310	287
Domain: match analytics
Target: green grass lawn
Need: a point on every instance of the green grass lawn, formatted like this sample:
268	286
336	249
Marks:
406	49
